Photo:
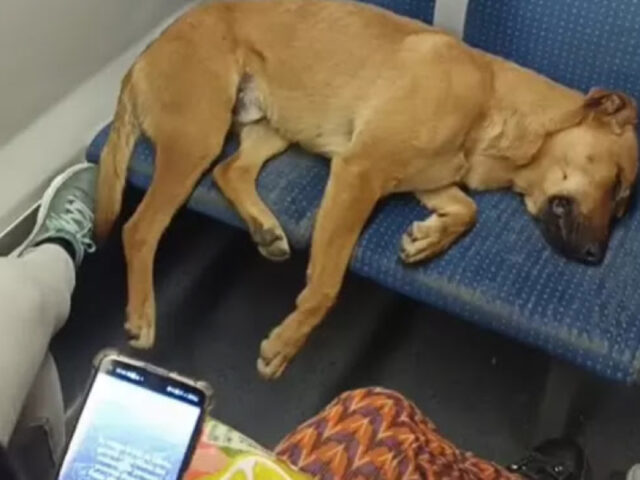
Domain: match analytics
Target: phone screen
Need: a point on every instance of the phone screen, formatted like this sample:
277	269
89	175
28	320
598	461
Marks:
135	425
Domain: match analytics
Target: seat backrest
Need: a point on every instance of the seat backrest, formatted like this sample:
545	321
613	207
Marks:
580	43
420	9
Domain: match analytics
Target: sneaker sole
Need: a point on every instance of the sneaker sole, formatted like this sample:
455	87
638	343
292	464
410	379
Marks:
46	201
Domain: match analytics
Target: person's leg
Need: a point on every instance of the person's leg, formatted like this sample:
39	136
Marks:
35	292
44	409
39	436
377	433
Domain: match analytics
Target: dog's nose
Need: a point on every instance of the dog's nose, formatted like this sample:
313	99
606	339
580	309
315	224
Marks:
560	206
592	253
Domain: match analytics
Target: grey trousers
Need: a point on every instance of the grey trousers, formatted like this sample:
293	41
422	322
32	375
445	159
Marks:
35	295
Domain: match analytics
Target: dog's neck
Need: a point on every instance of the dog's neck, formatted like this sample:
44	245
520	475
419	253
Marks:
524	108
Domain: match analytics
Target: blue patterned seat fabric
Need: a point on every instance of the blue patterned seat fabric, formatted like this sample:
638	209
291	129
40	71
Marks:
501	276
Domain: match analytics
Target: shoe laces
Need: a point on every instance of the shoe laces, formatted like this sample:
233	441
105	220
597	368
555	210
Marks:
537	467
76	219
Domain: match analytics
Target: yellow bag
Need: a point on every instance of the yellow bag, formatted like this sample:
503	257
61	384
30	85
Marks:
224	454
256	467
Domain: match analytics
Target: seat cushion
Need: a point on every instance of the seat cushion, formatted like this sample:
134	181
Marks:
501	276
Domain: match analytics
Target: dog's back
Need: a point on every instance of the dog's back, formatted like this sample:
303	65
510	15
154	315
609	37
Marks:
315	66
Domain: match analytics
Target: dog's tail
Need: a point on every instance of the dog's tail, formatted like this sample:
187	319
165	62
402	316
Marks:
114	160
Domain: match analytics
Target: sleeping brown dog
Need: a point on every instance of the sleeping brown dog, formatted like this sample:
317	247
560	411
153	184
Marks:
396	105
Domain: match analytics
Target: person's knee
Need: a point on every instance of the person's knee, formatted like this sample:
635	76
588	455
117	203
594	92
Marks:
31	300
379	393
19	286
10	274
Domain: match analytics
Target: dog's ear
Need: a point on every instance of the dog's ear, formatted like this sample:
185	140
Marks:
625	179
614	109
621	194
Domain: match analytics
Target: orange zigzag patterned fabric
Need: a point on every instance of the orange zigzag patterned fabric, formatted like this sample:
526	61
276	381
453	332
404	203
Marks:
378	434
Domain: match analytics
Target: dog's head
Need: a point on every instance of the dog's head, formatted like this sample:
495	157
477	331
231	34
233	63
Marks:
584	177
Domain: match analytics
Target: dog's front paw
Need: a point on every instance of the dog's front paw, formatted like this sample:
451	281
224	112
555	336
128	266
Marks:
421	241
141	329
275	354
272	241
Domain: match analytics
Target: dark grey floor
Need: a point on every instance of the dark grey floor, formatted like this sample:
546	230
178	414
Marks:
217	298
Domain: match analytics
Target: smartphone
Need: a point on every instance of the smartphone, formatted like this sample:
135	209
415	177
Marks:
137	421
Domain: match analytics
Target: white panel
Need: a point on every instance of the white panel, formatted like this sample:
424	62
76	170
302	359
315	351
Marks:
450	15
59	135
48	47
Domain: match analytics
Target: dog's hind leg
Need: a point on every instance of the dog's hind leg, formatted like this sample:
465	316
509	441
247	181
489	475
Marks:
350	196
182	156
237	177
453	214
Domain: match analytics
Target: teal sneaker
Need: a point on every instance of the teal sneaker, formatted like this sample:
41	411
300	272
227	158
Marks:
66	213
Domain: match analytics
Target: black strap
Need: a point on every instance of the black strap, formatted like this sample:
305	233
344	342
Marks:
537	467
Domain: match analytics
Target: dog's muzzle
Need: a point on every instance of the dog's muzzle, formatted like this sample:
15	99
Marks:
566	231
